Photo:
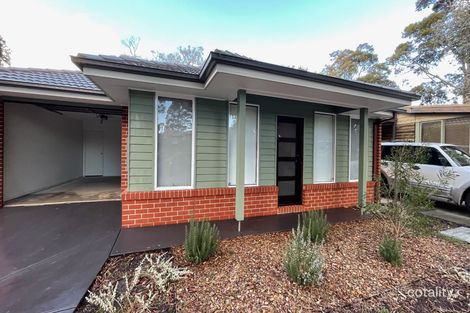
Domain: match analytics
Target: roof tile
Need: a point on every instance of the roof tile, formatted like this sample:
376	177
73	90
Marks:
60	79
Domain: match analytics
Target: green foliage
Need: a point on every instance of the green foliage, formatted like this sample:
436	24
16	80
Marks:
390	250
193	56
303	260
383	310
132	44
314	226
4	53
406	194
361	64
201	241
442	36
128	293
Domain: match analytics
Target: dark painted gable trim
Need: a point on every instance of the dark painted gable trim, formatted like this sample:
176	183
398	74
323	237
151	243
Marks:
223	58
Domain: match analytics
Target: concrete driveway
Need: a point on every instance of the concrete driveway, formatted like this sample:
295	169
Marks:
451	213
49	255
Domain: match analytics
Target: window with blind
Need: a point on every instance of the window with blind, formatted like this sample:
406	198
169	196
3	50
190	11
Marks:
431	132
354	149
251	144
457	132
174	142
324	148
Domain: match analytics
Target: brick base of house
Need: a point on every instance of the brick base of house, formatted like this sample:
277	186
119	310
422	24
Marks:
142	209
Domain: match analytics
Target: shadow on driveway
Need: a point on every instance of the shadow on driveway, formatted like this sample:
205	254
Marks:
49	255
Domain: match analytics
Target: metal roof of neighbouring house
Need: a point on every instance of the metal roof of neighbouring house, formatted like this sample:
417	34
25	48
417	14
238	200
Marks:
439	108
62	80
140	66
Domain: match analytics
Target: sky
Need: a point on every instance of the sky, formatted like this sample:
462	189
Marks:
43	34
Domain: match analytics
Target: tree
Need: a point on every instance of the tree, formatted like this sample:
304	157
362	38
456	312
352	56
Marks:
442	36
4	53
405	195
361	64
131	43
193	56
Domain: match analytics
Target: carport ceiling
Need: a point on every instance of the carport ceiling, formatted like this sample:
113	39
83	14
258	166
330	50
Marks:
57	106
80	109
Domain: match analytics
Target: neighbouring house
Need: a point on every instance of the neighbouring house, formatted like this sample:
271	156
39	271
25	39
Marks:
236	138
430	123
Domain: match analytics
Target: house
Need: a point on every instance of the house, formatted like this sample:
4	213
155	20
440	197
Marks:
431	123
236	138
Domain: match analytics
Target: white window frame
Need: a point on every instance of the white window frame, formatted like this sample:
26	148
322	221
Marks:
349	157
257	144
193	139
334	149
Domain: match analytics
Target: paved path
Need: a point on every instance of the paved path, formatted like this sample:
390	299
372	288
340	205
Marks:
49	255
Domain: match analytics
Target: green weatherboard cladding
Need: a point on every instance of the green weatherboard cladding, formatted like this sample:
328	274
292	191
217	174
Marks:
211	159
211	143
141	141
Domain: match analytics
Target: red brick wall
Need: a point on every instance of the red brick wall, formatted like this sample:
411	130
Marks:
124	136
329	196
2	128
140	209
377	148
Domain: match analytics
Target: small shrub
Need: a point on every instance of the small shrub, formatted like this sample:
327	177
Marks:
314	226
127	295
390	250
201	241
303	260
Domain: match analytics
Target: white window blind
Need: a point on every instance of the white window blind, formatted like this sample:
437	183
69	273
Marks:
324	148
251	144
174	142
354	150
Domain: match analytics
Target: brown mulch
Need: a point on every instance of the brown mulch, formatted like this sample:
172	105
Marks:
247	275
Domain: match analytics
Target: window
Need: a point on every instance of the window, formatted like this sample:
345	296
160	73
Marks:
174	142
431	132
354	149
251	144
324	148
457	132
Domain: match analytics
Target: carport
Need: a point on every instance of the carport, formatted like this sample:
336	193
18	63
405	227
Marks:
61	139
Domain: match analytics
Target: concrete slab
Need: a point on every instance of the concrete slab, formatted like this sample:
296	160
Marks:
450	216
84	189
461	233
166	236
49	255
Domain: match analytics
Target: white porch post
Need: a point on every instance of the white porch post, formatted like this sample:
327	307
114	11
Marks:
363	157
240	158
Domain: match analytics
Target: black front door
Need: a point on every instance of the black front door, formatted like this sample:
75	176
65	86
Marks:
290	133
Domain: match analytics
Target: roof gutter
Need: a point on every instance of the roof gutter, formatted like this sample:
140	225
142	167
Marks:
220	58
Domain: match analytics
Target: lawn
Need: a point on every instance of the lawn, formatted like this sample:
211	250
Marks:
247	275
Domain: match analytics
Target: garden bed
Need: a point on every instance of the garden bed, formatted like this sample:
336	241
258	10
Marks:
247	275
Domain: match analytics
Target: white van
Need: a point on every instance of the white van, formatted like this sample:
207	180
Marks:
440	156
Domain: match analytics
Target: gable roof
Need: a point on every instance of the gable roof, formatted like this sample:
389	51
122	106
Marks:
61	80
188	73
